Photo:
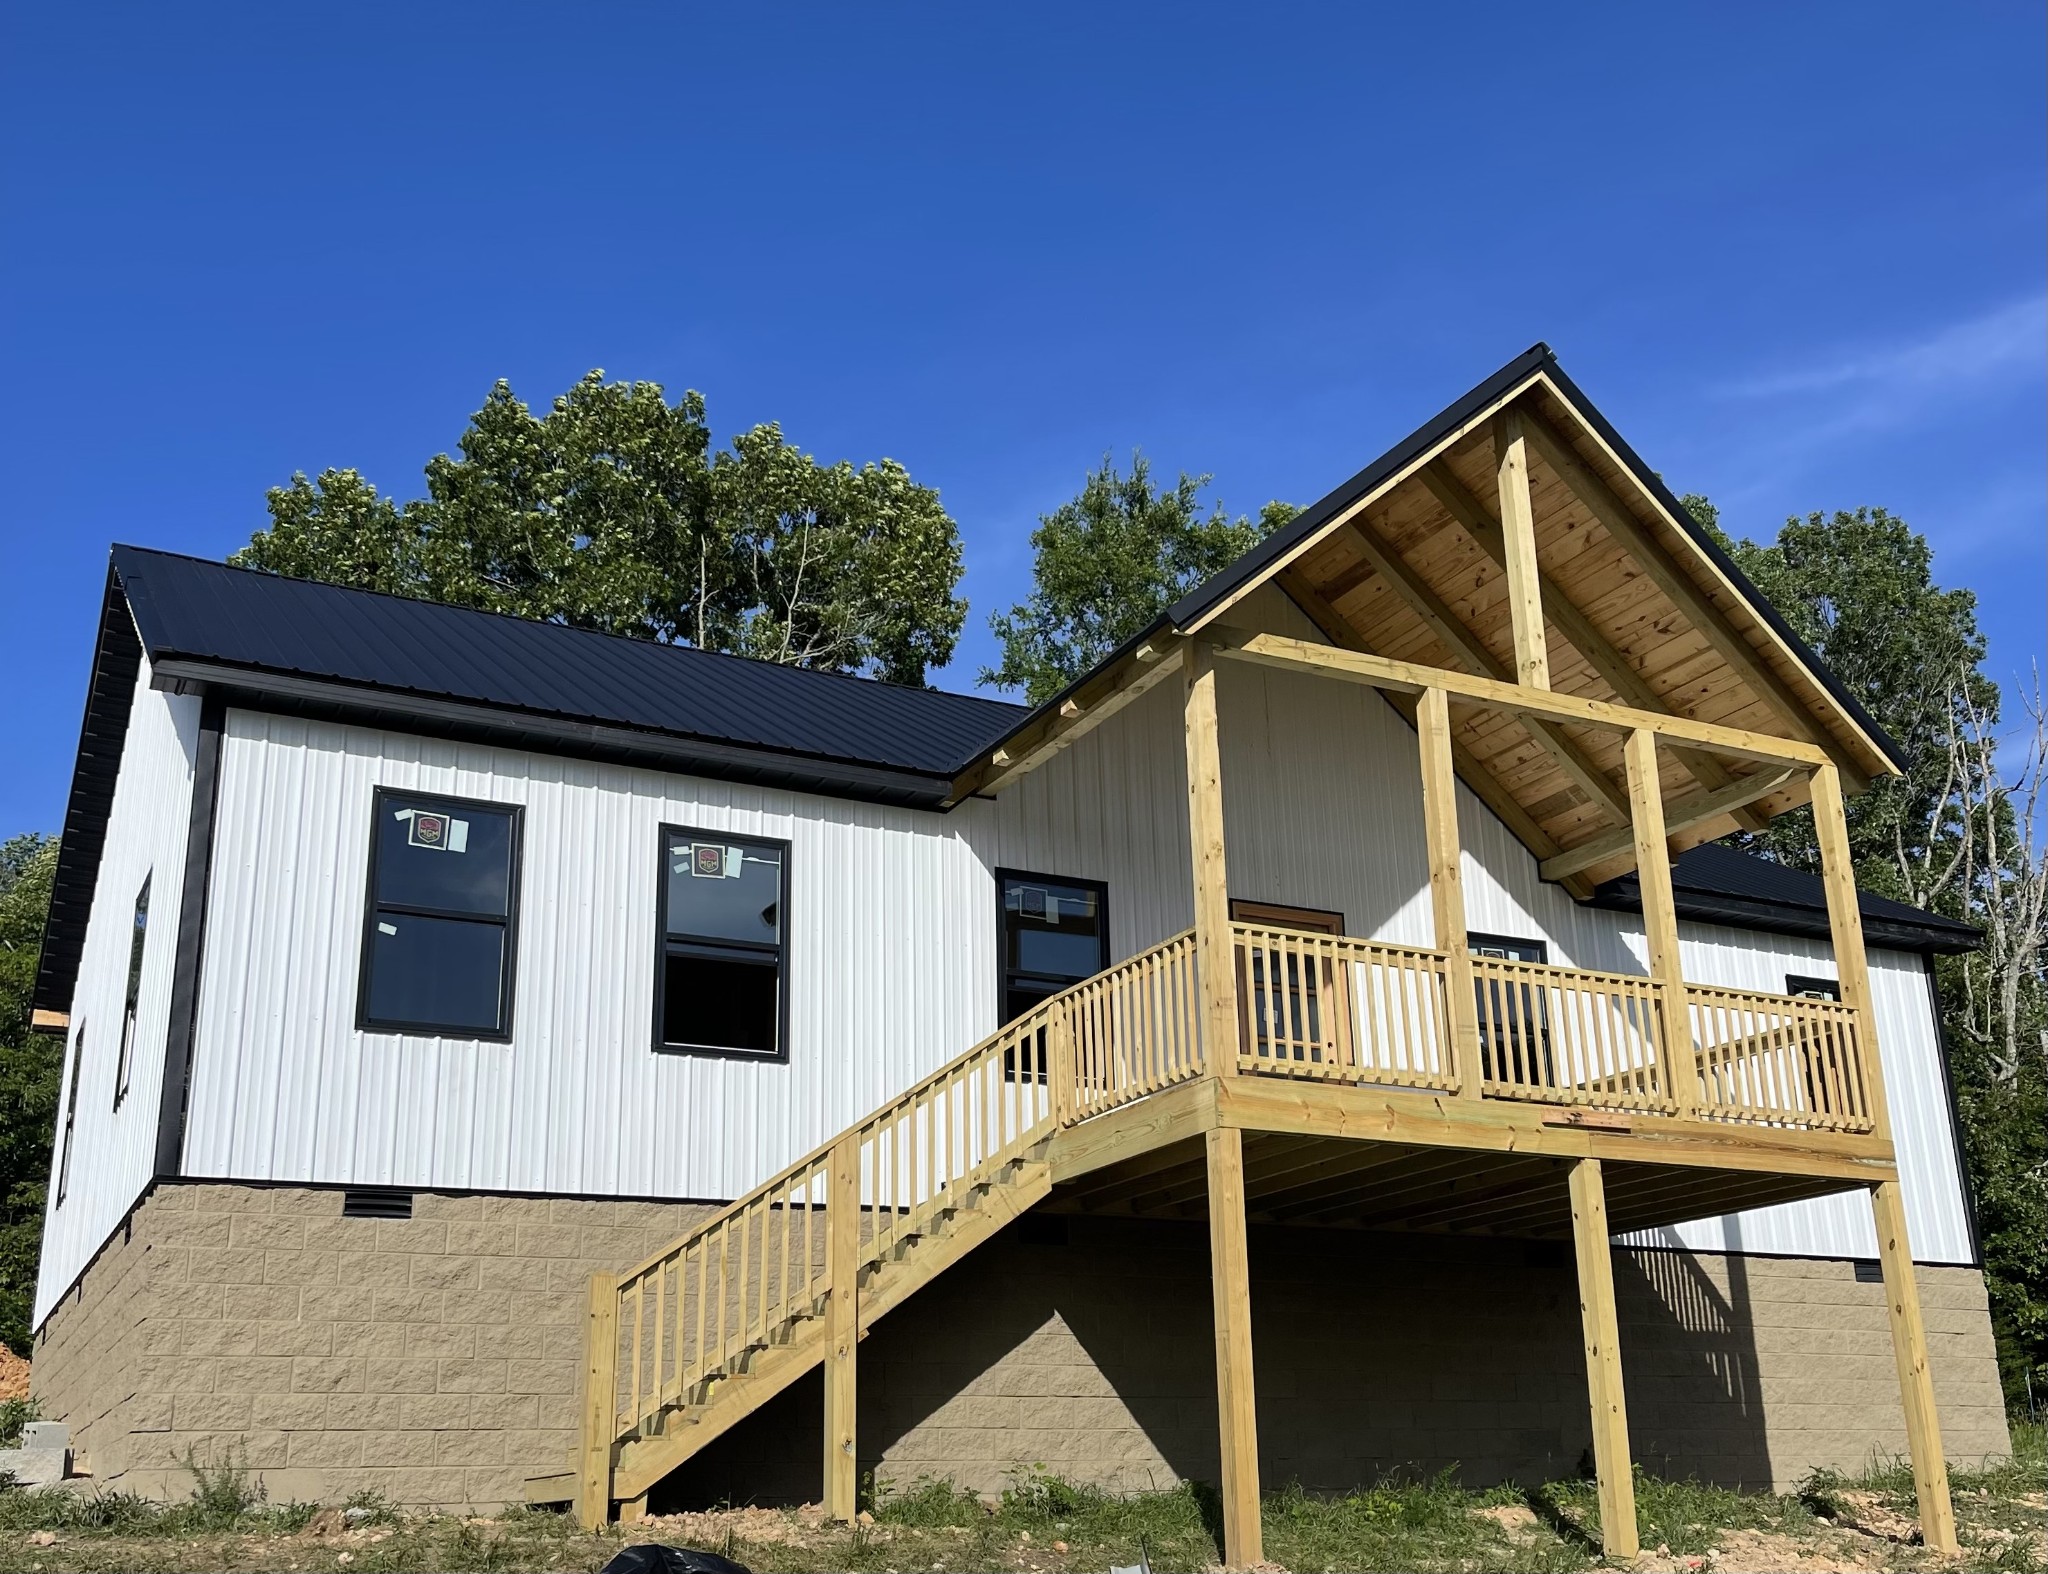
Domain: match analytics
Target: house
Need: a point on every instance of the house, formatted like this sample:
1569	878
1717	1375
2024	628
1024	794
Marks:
509	1061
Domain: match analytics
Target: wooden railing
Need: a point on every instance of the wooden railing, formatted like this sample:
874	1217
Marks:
1555	1035
743	1278
1778	1059
1333	1008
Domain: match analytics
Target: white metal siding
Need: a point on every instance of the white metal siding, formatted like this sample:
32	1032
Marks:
114	1151
891	973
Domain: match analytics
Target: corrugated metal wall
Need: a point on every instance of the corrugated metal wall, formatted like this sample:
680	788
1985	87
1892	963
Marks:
114	1150
891	945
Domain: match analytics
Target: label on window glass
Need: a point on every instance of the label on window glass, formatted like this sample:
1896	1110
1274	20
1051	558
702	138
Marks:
712	861
442	833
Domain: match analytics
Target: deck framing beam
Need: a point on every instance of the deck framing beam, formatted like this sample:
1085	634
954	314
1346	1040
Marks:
842	1329
1916	1382
600	1403
1215	962
1678	817
1660	921
1845	928
1380	672
1518	532
1446	884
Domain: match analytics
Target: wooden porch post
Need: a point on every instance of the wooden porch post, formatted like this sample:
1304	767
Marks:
1230	1281
1916	1383
1603	1361
1660	919
600	1403
1518	543
1215	952
1845	927
1446	883
842	1326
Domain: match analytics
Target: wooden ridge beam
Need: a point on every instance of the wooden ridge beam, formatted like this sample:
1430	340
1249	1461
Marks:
1579	631
1486	787
1620	522
1681	816
1518	528
1452	632
1276	650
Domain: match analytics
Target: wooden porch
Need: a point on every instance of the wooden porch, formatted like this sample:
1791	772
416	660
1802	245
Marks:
1250	1072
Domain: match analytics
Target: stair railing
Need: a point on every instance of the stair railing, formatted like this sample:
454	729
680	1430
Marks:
687	1315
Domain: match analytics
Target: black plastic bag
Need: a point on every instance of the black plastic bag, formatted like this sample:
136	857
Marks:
650	1557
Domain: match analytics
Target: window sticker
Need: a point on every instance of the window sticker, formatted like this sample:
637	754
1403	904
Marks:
439	832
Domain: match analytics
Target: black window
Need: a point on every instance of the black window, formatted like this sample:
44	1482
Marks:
438	946
722	984
1053	933
1514	1020
70	1117
135	942
1812	988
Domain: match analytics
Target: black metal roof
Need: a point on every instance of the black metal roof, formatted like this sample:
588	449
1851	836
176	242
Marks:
209	622
1717	884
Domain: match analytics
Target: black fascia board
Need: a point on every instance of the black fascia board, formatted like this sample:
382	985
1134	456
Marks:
1932	934
102	736
317	699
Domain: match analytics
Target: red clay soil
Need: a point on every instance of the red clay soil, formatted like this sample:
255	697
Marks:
13	1375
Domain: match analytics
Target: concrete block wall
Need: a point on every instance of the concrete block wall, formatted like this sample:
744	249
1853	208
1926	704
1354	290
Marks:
437	1360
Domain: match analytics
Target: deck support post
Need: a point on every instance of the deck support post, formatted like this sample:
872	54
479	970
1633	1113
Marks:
1611	1462
1916	1382
1446	884
1680	1075
1845	929
1215	950
842	1327
600	1403
1230	1280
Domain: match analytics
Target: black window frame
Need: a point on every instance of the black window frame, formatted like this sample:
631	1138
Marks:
1514	1020
1003	969
1797	984
711	946
138	941
70	1114
508	977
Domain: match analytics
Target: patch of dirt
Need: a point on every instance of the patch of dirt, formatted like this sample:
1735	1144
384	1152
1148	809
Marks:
1768	1552
1867	1512
1517	1521
14	1373
762	1526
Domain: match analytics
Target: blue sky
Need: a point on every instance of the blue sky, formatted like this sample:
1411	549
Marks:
1795	252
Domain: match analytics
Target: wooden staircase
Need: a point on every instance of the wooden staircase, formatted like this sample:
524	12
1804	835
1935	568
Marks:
682	1346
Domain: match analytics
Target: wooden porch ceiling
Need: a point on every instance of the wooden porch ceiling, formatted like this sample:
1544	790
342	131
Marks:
1419	575
1338	1183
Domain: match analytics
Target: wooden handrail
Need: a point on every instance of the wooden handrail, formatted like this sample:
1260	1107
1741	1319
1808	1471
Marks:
1779	1059
1336	1009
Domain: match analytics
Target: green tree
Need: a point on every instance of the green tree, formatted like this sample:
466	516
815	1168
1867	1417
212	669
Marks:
1961	834
1109	561
610	511
30	1067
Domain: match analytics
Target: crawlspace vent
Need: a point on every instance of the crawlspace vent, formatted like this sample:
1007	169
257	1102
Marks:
376	1202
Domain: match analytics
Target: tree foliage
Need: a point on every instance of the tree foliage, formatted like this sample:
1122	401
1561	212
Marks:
1106	563
1961	833
611	511
31	1065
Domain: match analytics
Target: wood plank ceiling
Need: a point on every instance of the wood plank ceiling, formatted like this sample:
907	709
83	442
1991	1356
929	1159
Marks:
1419	576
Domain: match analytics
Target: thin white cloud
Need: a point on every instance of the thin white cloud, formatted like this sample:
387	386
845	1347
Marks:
1979	349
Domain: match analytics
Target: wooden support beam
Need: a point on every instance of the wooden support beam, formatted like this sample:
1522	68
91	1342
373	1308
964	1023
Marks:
1466	646
842	1328
1446	883
1678	817
1215	960
1620	522
1916	1382
1518	527
1678	1070
1046	734
1845	926
1276	650
41	1021
1603	1361
1230	1283
600	1403
1618	672
1486	787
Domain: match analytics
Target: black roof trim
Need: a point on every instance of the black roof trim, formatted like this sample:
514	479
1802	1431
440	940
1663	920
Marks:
102	735
1717	884
1537	358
